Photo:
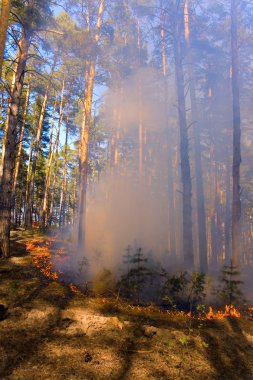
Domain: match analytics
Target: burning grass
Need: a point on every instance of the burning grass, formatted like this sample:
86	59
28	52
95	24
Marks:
42	257
42	250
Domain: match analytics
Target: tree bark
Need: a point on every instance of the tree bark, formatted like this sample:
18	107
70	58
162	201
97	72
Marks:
9	158
236	207
184	151
4	20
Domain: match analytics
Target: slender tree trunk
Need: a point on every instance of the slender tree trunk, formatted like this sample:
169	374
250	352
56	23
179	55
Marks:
171	200
28	216
51	208
64	189
228	209
140	153
6	124
9	158
85	134
236	208
28	173
201	212
4	19
52	128
184	152
44	213
20	145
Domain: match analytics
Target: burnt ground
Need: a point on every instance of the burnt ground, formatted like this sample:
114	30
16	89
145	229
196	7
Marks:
50	332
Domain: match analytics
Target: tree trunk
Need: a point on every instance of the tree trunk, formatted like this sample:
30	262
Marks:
6	124
28	216
20	145
51	208
171	198
9	158
64	189
140	106
236	208
228	209
201	212
184	152
44	213
4	19
85	134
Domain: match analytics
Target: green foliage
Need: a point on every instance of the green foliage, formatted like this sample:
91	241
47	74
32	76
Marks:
33	14
183	291
174	287
229	291
133	282
197	288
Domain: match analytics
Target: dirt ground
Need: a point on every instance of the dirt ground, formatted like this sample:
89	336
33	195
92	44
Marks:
50	332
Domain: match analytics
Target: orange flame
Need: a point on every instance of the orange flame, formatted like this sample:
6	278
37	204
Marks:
230	311
41	256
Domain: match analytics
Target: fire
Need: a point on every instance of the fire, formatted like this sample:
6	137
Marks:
41	252
75	289
41	256
230	311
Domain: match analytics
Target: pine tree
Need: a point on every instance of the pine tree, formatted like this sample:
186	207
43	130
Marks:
230	291
132	283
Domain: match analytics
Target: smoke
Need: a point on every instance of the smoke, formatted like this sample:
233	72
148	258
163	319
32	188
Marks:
129	203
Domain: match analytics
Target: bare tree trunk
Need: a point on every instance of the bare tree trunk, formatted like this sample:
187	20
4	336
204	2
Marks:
4	19
6	124
20	145
9	158
201	212
28	216
236	208
85	134
228	209
64	189
44	213
49	216
140	153
171	200
184	151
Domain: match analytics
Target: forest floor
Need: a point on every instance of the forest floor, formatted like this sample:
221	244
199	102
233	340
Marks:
51	331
